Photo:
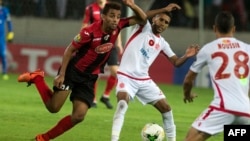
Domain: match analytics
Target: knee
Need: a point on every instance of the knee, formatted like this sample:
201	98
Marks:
162	106
77	118
53	109
166	108
122	104
122	107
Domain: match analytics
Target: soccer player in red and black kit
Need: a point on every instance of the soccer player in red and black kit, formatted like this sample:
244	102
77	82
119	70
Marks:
82	61
92	14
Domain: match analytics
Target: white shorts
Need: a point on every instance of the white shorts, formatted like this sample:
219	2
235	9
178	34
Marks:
146	91
212	121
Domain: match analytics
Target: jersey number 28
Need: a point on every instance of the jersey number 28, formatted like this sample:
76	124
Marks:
241	61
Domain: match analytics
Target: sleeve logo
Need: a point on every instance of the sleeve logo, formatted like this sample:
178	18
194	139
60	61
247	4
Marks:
77	38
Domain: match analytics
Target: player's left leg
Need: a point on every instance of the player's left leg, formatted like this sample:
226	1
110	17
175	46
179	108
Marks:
79	111
168	120
112	79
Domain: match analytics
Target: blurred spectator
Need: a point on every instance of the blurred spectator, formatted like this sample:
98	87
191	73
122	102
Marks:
75	9
189	13
237	8
21	8
40	9
195	5
186	17
61	6
212	7
50	8
247	7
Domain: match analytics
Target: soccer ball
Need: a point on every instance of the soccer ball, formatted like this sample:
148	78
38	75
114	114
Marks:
152	132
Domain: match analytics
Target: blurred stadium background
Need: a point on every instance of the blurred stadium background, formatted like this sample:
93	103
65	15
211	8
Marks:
43	28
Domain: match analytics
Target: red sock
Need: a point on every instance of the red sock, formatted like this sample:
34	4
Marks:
44	91
111	81
95	91
62	126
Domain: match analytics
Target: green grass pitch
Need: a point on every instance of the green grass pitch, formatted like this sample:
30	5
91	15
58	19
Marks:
23	114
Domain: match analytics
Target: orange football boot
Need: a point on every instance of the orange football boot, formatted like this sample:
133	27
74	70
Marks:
29	76
40	138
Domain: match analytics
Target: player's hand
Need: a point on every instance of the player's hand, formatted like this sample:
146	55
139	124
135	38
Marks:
129	2
189	98
10	37
58	81
172	7
192	50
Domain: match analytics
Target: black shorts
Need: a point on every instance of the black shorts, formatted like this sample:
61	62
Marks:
81	84
113	58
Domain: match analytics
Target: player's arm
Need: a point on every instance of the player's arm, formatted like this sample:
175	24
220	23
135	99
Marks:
140	16
191	51
188	85
168	8
58	81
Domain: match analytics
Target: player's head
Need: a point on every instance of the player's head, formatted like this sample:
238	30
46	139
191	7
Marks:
111	15
224	23
160	22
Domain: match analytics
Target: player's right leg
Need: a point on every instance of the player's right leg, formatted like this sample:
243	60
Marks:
126	88
119	115
168	119
52	100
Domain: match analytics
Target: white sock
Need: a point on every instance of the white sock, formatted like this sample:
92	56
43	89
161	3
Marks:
118	119
169	126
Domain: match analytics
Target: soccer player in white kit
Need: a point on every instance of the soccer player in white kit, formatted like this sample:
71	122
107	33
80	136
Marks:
228	62
141	50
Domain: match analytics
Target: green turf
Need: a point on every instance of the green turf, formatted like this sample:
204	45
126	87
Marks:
23	114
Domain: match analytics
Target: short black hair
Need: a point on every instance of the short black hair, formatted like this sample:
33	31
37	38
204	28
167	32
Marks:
111	5
224	21
168	14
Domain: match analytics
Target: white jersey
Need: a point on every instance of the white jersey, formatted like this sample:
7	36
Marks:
228	60
141	50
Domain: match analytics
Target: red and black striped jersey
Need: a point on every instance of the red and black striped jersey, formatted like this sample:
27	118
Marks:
94	46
